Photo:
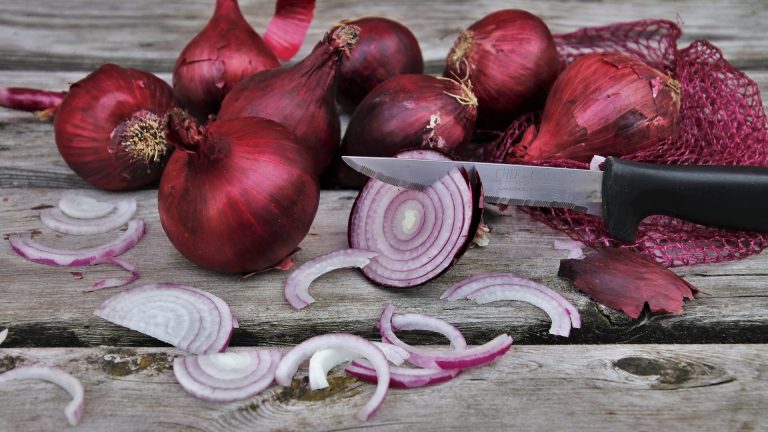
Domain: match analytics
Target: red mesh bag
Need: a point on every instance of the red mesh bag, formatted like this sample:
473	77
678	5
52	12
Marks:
722	123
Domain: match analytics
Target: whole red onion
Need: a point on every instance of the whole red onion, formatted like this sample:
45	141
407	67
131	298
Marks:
386	48
606	104
512	61
224	53
239	196
408	111
300	98
110	127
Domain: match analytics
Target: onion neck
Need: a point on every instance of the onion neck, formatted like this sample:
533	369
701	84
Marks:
465	95
329	52
143	137
42	102
227	7
458	56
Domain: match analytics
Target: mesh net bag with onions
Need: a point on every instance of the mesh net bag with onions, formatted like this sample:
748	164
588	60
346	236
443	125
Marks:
722	122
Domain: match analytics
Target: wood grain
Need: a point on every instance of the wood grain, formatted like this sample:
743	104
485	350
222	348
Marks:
575	388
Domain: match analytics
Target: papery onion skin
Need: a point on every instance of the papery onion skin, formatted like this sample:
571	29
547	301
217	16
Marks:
241	199
300	98
110	127
400	112
606	104
512	61
224	53
386	48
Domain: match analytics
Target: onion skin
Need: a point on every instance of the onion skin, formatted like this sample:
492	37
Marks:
386	48
92	121
300	98
224	53
400	114
27	99
241	198
606	104
512	61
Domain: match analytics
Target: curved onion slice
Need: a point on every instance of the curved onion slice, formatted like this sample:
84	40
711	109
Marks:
74	409
575	248
187	318
55	219
402	377
324	360
117	282
229	376
291	361
23	245
3	335
418	234
513	285
411	321
297	284
79	206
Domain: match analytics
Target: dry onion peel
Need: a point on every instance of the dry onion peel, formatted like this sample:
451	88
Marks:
297	284
74	409
228	376
291	361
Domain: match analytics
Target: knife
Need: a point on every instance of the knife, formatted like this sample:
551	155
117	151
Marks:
623	194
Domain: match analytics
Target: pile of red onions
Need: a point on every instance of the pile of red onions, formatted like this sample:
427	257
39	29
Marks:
417	234
605	104
408	111
240	194
110	126
511	60
386	48
300	98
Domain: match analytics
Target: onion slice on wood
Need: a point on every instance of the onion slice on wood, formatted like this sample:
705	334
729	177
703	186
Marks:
419	234
3	335
117	282
488	287
188	318
55	219
228	376
402	377
74	409
79	206
291	361
323	361
23	245
297	284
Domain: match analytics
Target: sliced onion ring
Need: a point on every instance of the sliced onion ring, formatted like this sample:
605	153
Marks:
188	318
117	282
23	245
79	206
3	335
74	409
323	361
411	321
228	376
55	219
472	288
291	361
297	284
418	234
402	377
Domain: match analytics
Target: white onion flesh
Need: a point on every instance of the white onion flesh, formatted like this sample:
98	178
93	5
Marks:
79	206
323	361
228	376
297	284
55	219
3	335
74	409
188	318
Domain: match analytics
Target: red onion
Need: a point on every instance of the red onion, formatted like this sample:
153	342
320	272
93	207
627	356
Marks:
386	48
224	53
402	377
300	98
240	197
187	318
27	99
291	361
404	112
117	282
512	61
285	31
74	409
297	284
229	376
80	206
417	234
55	219
608	104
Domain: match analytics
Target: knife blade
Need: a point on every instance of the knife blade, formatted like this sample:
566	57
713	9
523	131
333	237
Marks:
623	194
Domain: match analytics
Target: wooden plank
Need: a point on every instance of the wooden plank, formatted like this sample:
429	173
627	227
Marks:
150	34
574	388
46	306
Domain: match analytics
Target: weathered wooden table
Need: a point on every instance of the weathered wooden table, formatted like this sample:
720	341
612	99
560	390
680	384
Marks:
703	370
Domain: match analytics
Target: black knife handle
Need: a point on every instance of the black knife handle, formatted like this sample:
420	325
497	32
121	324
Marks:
722	196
